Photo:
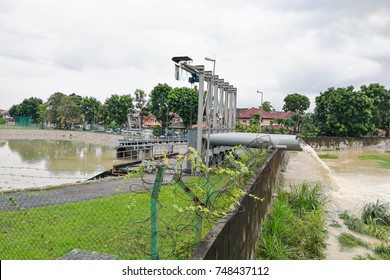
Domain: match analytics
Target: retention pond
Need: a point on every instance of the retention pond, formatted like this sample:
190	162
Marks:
36	163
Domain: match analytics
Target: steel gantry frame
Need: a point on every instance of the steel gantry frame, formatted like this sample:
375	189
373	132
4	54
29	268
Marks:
218	106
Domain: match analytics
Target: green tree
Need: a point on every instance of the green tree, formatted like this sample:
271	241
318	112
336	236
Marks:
28	108
42	112
15	111
255	119
184	102
90	107
296	102
159	102
141	103
53	105
69	111
380	97
117	107
267	107
343	112
308	127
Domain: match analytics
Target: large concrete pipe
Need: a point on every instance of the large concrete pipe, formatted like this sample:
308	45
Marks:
278	141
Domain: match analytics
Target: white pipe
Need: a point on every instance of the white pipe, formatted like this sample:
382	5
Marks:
279	141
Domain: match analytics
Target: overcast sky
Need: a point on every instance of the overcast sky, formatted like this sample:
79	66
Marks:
103	47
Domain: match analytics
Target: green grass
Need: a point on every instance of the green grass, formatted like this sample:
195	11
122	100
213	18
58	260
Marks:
295	227
335	224
382	160
376	212
383	251
373	222
354	224
349	241
118	225
328	156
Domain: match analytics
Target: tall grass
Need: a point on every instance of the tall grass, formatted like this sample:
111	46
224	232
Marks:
354	224
295	228
373	221
349	241
376	212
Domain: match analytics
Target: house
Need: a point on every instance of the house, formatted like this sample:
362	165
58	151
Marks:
267	119
8	119
177	124
150	121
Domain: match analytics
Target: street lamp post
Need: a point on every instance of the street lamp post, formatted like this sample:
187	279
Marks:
212	60
209	111
166	126
261	108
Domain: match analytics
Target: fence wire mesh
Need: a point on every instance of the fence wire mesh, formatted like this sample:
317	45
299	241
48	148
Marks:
116	216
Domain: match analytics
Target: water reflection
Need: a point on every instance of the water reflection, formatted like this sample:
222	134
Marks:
39	162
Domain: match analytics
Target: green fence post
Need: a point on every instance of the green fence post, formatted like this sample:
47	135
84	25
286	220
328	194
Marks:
198	212
154	213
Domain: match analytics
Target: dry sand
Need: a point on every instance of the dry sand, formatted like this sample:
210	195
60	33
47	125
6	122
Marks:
82	136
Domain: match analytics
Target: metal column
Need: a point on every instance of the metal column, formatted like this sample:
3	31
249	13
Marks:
216	103
200	109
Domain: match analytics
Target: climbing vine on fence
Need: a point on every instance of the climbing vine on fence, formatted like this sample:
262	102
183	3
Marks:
186	198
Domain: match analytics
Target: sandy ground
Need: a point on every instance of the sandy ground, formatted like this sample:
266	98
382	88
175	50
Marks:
83	136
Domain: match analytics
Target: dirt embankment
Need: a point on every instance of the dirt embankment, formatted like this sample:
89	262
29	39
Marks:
82	136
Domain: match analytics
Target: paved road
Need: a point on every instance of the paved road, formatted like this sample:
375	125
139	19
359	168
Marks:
70	194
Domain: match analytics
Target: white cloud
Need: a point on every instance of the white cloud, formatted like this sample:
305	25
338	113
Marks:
103	47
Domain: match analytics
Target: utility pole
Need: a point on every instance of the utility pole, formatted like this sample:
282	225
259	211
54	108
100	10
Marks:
261	108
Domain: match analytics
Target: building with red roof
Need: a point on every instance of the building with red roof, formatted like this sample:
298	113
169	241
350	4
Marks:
267	119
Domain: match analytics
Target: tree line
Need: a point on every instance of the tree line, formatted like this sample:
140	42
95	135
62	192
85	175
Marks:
338	111
341	112
64	111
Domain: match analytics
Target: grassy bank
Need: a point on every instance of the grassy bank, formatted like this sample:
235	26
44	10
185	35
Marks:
295	227
118	225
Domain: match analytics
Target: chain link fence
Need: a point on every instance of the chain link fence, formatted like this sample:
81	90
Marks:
160	212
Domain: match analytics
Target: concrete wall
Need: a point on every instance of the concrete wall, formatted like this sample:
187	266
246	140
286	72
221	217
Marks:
321	143
235	236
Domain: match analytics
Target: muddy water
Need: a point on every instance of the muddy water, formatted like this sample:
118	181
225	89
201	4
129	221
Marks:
37	163
349	181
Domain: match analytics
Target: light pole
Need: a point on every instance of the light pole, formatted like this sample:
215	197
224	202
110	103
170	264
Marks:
261	108
209	111
212	60
166	126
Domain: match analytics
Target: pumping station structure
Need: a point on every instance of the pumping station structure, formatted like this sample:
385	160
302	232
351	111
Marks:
215	133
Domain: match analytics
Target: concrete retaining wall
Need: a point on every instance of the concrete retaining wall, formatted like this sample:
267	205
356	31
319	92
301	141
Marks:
321	143
235	236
